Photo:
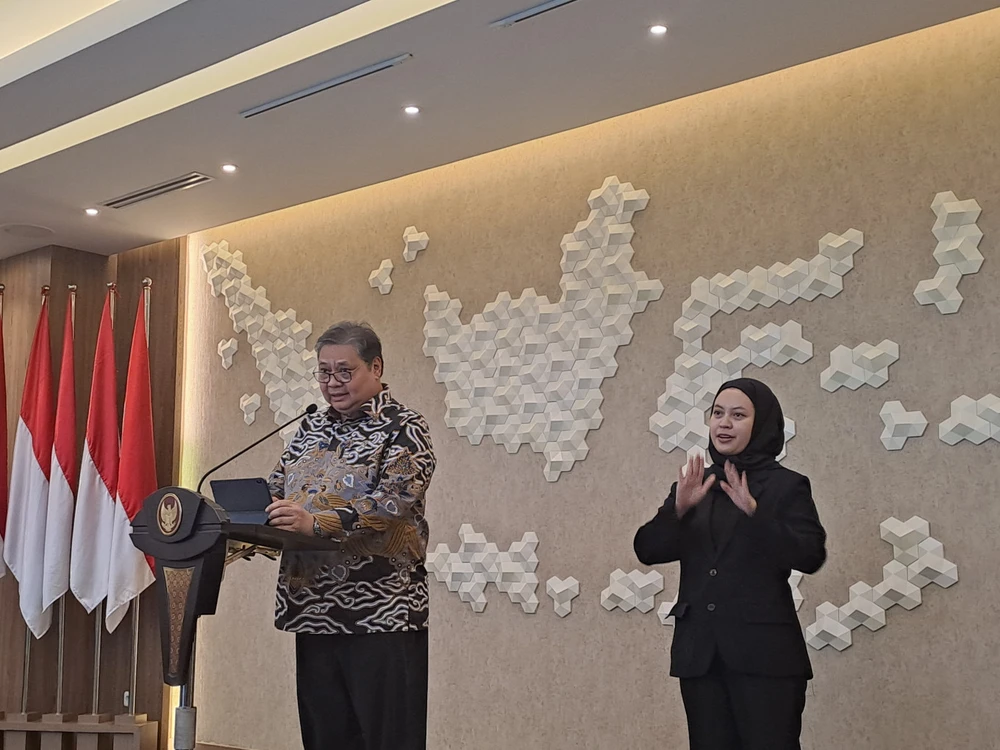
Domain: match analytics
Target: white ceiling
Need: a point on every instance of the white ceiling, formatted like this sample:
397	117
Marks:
480	89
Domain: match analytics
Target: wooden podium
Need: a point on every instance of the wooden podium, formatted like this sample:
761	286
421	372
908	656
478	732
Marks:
192	540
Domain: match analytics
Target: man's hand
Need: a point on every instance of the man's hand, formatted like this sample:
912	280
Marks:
284	514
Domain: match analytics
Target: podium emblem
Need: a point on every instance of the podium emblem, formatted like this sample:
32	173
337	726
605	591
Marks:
168	514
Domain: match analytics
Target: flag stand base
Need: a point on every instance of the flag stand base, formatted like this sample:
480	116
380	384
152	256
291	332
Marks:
22	718
95	718
131	719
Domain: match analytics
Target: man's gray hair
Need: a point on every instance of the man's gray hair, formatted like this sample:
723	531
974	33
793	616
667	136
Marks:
359	335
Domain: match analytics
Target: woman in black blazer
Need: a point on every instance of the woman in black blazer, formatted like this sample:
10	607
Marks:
738	529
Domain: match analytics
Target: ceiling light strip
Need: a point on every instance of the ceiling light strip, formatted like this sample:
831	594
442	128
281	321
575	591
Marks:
184	182
349	25
524	15
326	85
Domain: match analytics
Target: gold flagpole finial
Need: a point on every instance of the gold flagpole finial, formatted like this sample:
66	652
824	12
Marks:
72	287
147	283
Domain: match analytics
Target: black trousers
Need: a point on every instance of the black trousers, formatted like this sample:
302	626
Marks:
730	711
362	692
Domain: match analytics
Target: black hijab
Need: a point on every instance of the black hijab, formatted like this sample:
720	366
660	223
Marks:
767	437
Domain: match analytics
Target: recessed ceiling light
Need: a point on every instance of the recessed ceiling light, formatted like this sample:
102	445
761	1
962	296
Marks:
658	30
411	110
229	168
92	212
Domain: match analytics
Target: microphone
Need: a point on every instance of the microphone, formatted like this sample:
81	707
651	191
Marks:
311	409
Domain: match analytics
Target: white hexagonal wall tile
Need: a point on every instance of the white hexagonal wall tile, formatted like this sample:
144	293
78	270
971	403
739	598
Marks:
793	583
970	421
864	365
730	289
790	432
632	590
562	592
900	425
828	630
663	612
840	249
791	345
413	243
381	277
957	252
249	404
988	407
861	609
227	350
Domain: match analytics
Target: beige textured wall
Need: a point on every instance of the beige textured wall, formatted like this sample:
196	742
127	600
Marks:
751	174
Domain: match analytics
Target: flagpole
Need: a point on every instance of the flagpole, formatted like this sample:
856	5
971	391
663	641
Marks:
26	668
61	659
147	284
99	614
26	664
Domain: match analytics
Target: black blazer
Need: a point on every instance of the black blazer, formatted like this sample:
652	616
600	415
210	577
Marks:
734	595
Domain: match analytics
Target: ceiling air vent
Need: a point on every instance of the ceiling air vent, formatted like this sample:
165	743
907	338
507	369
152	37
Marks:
318	88
184	182
529	13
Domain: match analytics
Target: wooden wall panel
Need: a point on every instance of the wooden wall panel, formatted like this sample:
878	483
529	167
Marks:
59	267
160	262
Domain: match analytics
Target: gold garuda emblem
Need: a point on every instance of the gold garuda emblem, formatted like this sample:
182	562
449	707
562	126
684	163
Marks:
168	514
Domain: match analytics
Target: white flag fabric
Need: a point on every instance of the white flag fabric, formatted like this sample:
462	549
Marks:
24	542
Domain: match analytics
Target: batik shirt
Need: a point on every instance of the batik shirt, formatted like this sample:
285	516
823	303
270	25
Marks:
364	480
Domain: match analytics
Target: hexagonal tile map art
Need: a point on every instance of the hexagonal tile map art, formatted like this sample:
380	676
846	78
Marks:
528	371
277	339
679	421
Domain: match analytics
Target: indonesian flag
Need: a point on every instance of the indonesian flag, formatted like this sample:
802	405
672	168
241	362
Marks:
62	485
24	544
131	572
93	520
3	448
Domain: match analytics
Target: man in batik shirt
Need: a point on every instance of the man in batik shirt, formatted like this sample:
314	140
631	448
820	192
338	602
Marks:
356	473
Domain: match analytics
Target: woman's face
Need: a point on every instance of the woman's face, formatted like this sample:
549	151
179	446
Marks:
731	423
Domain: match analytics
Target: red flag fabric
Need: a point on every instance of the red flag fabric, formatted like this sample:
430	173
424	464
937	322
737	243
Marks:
93	521
131	572
24	544
62	483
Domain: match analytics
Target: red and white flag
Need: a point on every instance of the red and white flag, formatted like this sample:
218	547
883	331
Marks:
3	443
131	571
93	521
62	483
24	544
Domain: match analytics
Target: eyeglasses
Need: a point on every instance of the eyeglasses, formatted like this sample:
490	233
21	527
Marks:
341	376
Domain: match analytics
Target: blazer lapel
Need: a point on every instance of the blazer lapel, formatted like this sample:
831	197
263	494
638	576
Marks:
730	517
733	516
